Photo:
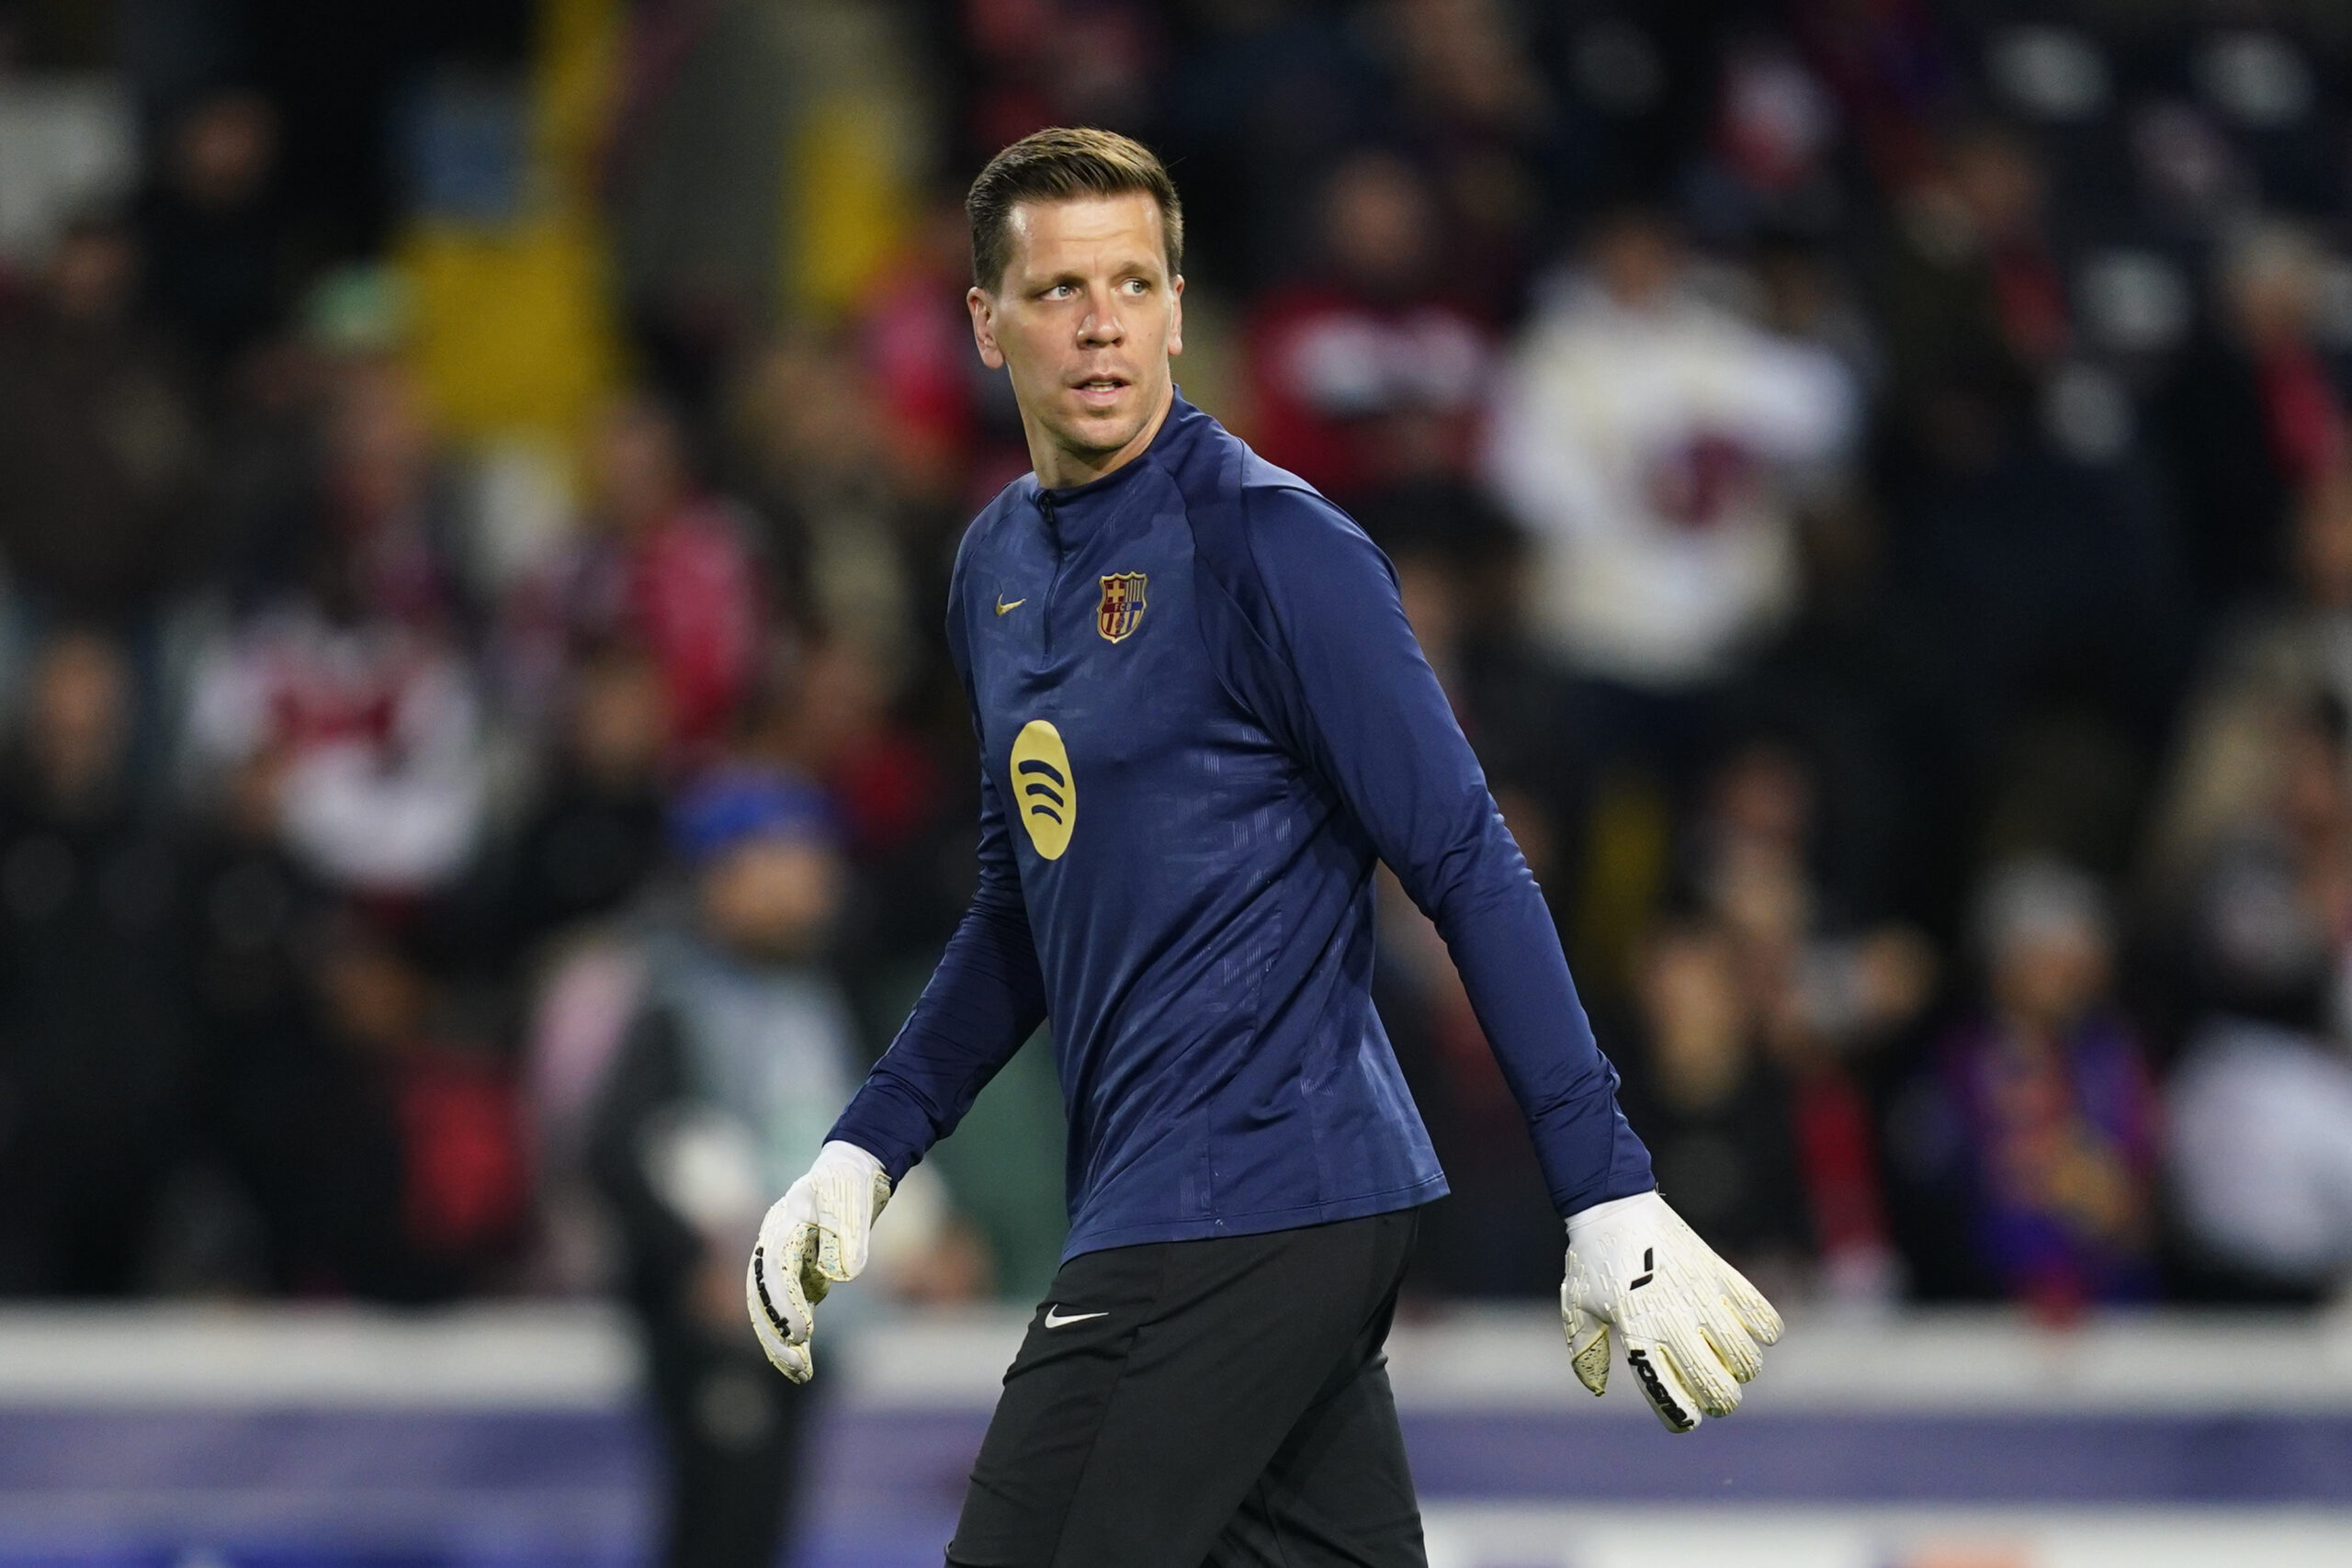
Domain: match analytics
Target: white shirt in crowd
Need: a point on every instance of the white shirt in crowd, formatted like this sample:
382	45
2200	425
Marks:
385	781
1643	450
2261	1144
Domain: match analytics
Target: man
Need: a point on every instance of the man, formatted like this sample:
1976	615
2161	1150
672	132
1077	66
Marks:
1368	371
1202	718
97	1068
737	1050
1639	436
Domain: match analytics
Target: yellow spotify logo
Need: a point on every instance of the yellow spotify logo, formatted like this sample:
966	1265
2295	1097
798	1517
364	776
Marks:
1044	793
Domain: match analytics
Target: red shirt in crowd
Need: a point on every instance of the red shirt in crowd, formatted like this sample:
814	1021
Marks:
1331	370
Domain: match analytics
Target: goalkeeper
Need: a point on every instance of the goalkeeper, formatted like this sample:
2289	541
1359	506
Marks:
1201	719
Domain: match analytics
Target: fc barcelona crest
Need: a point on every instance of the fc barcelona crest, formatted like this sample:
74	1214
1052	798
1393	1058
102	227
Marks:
1122	606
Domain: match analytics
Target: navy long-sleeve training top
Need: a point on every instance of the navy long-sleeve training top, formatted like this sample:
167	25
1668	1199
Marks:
1202	718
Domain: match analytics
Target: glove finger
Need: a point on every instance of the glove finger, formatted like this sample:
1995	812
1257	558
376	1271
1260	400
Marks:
785	1358
862	1206
767	1313
1587	1348
1748	1303
1587	1331
1728	1337
845	1211
1701	1370
1661	1384
815	1284
787	1287
768	1326
831	1256
755	1297
797	1362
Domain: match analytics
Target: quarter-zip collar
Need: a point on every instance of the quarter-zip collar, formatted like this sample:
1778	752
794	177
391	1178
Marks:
1071	511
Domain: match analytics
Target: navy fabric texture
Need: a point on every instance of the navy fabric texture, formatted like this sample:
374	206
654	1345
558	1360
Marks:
1202	719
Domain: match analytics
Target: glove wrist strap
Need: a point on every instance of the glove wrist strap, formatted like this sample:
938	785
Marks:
838	1151
1611	1210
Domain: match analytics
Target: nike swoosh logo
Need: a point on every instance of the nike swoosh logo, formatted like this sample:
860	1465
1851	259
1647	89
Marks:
1001	607
1055	1320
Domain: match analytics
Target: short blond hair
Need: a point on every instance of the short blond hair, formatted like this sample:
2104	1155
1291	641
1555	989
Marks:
1061	164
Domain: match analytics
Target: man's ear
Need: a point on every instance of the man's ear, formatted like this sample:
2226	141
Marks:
1176	315
983	310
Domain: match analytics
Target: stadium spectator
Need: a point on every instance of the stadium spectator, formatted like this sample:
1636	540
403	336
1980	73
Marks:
1765	168
215	243
915	339
838	729
2043	1132
1821	991
290	1121
1755	859
431	1182
664	564
1367	372
1455	555
102	451
1642	436
1260	107
2035	573
391	499
97	1048
2260	1104
2266	667
1470	98
349	676
1716	1110
1066	61
2270	910
2255	417
866	506
372	728
2261	1130
1973	302
591	841
741	1050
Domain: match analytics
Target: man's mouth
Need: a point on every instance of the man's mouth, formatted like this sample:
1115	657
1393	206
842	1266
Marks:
1101	390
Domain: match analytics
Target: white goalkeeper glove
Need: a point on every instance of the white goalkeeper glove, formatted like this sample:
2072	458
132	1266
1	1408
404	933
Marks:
1690	1323
814	1238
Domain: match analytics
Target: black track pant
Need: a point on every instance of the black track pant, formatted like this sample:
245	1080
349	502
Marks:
1204	1404
733	1430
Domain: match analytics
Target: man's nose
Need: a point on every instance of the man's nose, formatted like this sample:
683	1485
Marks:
1101	326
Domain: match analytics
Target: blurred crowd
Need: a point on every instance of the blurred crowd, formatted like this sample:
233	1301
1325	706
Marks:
1875	478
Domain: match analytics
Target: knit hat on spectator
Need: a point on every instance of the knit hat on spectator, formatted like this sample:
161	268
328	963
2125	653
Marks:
734	805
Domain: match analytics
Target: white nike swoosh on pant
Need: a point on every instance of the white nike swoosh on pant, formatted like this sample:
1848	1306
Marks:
1053	1321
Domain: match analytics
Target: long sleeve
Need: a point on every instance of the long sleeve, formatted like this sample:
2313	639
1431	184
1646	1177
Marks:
986	997
1330	666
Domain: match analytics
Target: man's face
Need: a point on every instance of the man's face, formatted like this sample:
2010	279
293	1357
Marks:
1085	319
772	897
